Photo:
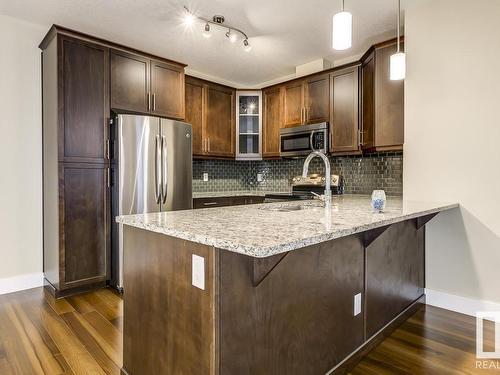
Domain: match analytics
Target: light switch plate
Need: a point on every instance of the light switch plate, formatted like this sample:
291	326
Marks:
205	177
198	272
259	177
357	304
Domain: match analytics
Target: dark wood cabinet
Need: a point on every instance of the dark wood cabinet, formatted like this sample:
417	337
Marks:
394	273
85	222
129	82
344	121
220	124
293	104
382	101
317	99
195	99
271	122
210	108
76	207
226	201
167	88
84	101
144	85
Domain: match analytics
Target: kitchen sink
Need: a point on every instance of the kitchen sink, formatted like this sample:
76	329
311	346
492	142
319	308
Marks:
287	208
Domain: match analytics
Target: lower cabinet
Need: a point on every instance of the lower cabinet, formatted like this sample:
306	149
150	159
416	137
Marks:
226	201
81	257
394	273
84	257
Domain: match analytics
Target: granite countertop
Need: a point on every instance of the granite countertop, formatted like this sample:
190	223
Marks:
236	193
258	231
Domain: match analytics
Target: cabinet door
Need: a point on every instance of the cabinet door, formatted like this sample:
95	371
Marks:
293	107
368	103
85	220
85	103
345	104
195	113
394	273
389	103
167	90
220	126
317	99
129	82
272	122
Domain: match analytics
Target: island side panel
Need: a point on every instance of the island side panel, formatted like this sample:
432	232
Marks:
395	273
168	324
299	319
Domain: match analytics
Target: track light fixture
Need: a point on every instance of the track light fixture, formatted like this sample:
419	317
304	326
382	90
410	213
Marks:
217	20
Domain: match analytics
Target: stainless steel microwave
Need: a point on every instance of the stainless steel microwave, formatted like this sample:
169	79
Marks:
302	140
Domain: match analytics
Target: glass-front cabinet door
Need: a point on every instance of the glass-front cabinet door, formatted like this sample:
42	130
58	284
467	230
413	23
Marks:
249	125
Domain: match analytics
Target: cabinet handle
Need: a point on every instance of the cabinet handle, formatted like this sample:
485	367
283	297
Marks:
208	143
209	203
107	149
154	101
108	177
149	101
361	136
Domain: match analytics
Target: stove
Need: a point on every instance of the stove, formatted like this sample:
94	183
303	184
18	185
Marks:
304	187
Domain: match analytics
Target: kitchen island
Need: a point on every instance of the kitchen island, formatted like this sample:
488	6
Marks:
282	288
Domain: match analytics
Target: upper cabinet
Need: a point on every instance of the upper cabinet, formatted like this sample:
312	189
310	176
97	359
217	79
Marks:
306	101
249	125
140	84
210	109
293	104
344	120
272	120
317	99
167	89
382	102
83	100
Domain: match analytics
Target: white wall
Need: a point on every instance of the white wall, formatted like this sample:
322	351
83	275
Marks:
452	139
20	154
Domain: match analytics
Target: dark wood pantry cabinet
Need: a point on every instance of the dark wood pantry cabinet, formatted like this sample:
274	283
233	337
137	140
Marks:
141	84
210	109
75	162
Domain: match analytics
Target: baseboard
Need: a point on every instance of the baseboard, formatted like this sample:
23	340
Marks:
459	304
21	282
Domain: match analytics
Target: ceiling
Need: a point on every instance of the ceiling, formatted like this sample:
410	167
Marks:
283	33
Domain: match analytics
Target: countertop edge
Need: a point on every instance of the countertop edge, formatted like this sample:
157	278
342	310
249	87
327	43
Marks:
264	252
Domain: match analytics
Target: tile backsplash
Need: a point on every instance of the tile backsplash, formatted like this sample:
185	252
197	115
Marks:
362	174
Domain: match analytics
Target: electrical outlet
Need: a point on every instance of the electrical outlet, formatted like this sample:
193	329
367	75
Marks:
205	177
259	177
198	272
357	304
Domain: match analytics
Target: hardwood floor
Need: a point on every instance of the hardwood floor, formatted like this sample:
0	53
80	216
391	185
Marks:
82	335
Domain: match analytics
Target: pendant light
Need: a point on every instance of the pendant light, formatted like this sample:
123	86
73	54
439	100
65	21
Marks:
342	30
398	60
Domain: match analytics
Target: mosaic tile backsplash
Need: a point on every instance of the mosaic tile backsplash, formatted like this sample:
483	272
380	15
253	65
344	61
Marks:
362	174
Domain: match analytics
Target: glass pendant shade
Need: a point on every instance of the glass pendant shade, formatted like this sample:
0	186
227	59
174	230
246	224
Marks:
342	31
398	66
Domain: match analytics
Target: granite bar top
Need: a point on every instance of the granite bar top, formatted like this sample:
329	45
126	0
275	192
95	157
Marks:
238	193
263	230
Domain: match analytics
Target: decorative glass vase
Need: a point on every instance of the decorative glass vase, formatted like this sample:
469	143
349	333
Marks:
378	200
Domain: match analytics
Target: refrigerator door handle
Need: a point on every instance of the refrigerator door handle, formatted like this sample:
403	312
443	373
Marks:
164	171
157	169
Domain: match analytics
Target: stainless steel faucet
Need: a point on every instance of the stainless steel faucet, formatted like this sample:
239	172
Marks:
327	197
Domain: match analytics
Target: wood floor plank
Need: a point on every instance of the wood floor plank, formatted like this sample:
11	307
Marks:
80	328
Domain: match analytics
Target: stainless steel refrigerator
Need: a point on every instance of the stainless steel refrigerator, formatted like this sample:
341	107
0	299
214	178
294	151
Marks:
152	172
